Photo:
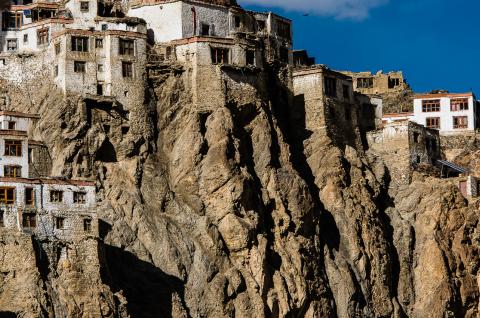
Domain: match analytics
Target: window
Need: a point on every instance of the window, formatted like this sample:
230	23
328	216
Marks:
29	220
283	29
42	36
250	57
284	54
29	196
11	45
416	136
25	38
87	225
460	122
458	104
2	221
330	87
100	68
346	91
237	21
433	122
365	82
104	27
106	129
393	82
431	105
11	20
261	25
7	195
58	48
126	47
12	125
99	43
12	171
220	55
30	155
13	148
100	88
84	6
79	197
56	196
205	29
79	66
59	223
79	44
125	130
127	69
56	71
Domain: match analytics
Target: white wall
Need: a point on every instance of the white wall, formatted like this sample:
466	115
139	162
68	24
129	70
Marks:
165	20
14	160
445	114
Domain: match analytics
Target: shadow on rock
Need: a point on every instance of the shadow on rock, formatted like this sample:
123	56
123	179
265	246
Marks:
149	291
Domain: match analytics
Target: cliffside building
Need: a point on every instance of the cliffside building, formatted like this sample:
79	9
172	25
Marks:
46	207
379	83
449	113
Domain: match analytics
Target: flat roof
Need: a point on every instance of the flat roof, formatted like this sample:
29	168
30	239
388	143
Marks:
18	133
397	115
58	181
18	114
450	95
319	68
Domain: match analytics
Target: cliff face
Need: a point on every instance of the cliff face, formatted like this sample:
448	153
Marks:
218	202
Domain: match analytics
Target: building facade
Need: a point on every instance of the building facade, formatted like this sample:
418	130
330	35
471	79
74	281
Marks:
40	205
449	113
378	83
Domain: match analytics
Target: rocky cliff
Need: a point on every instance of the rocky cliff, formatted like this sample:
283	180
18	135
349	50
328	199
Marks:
220	203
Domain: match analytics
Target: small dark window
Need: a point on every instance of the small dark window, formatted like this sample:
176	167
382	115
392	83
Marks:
205	29
125	130
346	91
126	47
100	68
87	225
59	223
99	43
237	21
79	44
104	27
284	54
25	38
79	66
79	197
127	69
330	87
261	25
250	57
12	125
2	217
12	171
42	36
29	220
416	137
220	55
29	196
106	129
56	196
100	88
418	159
56	71
30	155
58	48
84	6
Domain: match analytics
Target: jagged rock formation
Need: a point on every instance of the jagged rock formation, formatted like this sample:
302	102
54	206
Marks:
230	207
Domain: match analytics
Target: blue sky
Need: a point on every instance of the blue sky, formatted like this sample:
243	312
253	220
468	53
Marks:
435	42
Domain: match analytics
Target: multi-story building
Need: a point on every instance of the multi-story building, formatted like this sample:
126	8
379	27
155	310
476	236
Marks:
378	83
32	202
449	113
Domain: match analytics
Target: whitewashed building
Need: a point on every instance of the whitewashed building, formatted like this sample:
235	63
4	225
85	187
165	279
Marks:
449	113
46	207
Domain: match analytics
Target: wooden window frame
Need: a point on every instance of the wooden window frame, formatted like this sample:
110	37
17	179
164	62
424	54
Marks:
434	119
79	67
87	225
331	86
42	36
13	148
457	120
12	171
29	220
431	105
459	104
6	197
29	196
59	223
127	69
126	47
79	43
79	197
56	196
220	55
